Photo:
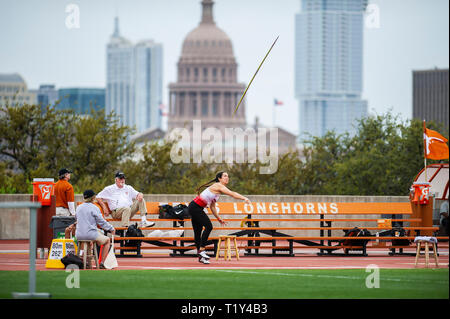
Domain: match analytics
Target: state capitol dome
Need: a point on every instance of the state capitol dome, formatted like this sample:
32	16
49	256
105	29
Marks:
207	41
207	88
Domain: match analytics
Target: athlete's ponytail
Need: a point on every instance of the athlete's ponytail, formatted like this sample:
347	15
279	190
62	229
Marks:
215	180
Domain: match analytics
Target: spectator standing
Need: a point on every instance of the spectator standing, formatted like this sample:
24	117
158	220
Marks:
65	197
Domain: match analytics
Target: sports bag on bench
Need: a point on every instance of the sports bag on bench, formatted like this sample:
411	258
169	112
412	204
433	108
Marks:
133	231
396	232
400	232
179	211
355	232
166	212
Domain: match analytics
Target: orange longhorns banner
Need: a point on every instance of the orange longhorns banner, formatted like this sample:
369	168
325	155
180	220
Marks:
298	208
435	145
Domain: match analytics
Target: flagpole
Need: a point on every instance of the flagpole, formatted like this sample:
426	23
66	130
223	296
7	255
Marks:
273	115
425	151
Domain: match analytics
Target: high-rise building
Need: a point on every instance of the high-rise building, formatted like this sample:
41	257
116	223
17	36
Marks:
430	96
148	85
134	81
14	91
80	100
206	87
47	94
329	65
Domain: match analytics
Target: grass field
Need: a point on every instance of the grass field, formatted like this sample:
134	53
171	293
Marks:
233	284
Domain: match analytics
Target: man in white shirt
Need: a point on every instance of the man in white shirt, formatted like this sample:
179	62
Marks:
123	202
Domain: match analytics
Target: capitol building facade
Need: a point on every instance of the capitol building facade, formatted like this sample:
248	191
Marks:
207	87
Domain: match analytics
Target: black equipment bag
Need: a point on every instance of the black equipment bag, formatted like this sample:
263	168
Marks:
181	211
396	232
166	212
355	232
71	259
399	232
133	231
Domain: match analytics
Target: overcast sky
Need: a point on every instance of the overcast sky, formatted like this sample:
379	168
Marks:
36	43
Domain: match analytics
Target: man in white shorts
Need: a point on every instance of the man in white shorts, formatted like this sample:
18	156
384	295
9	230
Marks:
88	217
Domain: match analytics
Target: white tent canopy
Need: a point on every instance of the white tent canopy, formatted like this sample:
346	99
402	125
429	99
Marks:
437	176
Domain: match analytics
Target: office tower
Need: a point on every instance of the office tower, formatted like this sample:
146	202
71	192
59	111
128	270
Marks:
80	100
148	85
430	96
46	95
120	77
134	81
206	87
329	65
14	91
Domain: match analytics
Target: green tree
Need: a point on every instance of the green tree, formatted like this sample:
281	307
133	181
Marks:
320	157
155	173
36	142
382	158
33	140
98	147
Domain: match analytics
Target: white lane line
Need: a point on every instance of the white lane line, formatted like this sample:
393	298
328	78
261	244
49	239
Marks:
323	276
14	251
230	268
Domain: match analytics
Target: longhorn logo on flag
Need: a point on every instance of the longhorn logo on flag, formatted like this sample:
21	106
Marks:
435	145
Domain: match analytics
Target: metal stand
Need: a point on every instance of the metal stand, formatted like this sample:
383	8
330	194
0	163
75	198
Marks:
33	206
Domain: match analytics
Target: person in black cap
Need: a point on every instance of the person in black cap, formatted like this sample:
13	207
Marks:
123	202
88	217
64	194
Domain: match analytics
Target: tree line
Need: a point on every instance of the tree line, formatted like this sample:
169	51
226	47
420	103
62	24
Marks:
382	158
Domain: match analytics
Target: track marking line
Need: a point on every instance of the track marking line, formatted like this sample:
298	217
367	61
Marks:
322	276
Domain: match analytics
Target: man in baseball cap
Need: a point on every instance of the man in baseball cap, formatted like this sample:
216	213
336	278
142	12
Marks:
120	175
123	202
65	197
88	217
63	171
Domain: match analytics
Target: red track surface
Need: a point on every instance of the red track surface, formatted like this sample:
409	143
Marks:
14	256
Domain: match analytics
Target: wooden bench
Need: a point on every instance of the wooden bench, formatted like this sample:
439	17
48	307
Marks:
254	228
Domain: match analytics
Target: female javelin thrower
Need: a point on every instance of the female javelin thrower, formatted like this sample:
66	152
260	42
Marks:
199	219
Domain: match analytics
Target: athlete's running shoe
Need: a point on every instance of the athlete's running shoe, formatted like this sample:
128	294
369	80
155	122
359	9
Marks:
203	260
204	254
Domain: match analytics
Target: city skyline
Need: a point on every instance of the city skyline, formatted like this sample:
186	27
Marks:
409	37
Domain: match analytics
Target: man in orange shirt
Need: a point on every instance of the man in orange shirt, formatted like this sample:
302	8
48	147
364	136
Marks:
65	197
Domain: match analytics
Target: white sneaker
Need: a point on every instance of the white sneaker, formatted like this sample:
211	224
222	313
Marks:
203	260
204	254
146	223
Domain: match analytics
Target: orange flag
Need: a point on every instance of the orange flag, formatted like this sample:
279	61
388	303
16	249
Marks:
435	145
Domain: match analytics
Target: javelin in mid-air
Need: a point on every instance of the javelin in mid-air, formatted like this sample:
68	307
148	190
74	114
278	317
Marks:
242	97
